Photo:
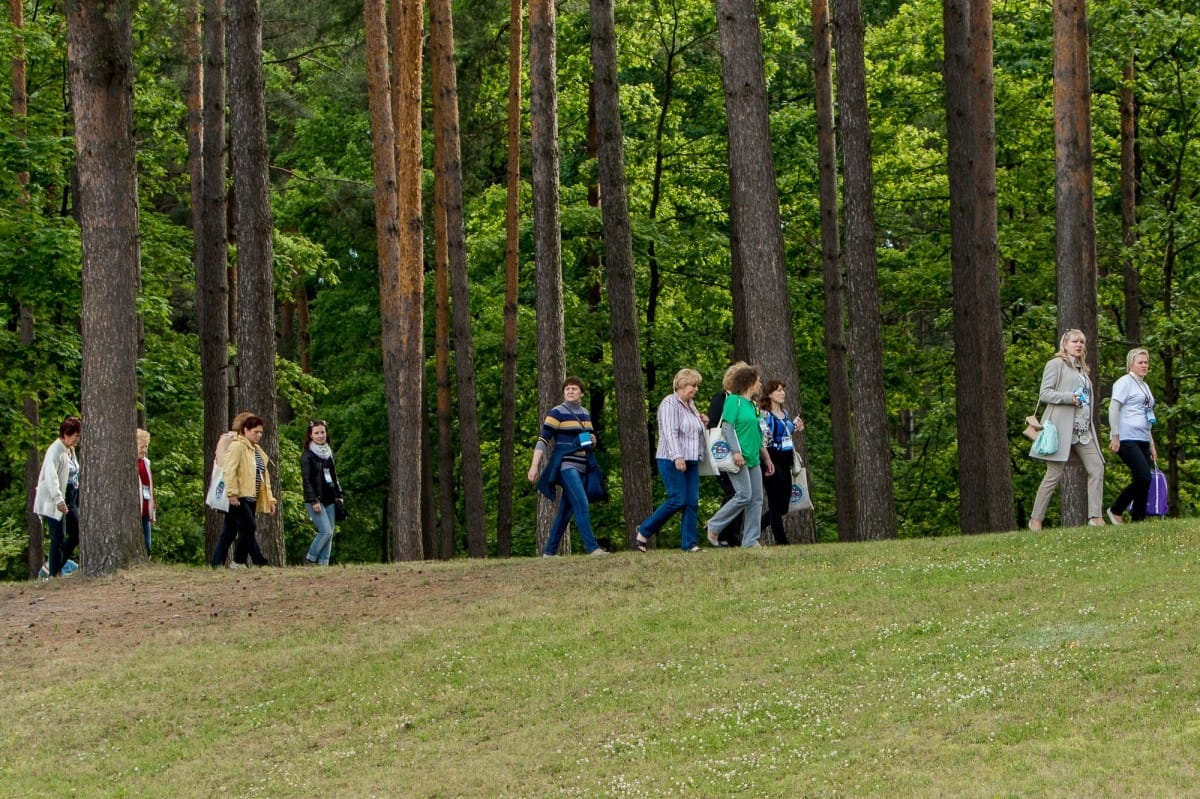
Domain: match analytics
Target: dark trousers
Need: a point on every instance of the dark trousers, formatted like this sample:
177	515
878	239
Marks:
64	537
1136	455
239	526
778	490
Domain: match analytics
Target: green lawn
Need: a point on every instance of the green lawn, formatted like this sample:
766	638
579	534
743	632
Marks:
1055	664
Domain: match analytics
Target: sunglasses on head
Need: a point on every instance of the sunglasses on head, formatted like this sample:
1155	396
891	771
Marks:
317	423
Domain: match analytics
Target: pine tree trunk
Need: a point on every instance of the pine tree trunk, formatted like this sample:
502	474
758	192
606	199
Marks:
636	480
984	484
402	286
210	237
256	258
1129	200
35	554
543	113
100	63
761	296
512	262
448	171
446	500
875	516
1075	213
837	366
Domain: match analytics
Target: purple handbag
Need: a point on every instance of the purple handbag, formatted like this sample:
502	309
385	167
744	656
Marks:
1156	500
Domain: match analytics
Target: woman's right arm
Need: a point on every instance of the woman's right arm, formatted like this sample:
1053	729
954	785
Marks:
50	478
311	496
1114	416
535	465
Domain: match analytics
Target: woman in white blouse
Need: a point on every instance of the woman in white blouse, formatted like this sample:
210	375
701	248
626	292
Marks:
681	443
1131	419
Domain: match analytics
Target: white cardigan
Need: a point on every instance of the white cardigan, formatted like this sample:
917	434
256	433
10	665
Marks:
52	482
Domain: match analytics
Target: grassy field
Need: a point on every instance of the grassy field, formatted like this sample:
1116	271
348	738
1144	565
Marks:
1060	664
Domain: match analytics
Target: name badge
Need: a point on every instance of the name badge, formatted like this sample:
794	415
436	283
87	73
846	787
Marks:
585	440
785	443
1150	417
328	477
146	492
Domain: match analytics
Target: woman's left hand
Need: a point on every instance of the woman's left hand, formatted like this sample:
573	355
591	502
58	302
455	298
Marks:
680	465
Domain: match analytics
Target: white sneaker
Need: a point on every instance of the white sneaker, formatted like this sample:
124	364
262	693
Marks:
1114	518
233	564
598	551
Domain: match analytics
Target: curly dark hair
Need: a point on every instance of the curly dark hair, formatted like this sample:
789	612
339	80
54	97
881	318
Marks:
742	380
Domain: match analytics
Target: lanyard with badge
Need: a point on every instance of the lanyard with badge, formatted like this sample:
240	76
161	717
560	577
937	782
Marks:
1148	404
785	440
585	437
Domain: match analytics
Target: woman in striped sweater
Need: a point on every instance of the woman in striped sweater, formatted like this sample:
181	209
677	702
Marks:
567	444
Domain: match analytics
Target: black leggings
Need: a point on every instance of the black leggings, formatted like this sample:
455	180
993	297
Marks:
240	525
1136	455
778	488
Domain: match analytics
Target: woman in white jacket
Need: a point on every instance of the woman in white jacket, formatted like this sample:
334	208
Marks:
57	497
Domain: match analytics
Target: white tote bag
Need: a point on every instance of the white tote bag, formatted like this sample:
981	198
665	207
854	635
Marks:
719	453
800	498
216	498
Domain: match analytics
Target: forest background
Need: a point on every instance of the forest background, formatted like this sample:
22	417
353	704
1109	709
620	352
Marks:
677	165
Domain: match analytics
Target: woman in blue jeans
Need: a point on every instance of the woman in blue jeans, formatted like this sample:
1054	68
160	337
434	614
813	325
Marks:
681	444
567	445
322	491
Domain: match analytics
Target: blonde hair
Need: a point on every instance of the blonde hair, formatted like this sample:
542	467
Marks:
686	377
143	436
240	420
1067	337
727	380
1132	354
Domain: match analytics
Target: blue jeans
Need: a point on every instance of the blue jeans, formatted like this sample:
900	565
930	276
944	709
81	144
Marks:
747	500
146	533
323	543
573	502
683	494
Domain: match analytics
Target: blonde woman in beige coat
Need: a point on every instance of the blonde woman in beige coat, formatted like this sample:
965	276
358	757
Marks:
1068	394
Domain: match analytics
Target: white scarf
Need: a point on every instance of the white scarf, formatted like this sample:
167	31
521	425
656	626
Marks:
322	451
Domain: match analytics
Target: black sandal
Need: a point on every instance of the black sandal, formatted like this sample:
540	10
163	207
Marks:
641	542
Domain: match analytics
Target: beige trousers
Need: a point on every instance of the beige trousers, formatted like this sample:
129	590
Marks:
1093	462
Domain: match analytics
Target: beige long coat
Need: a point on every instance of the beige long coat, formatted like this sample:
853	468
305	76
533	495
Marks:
1059	380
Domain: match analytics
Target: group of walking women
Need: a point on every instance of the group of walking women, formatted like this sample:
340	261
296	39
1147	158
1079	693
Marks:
759	433
1067	393
757	427
248	484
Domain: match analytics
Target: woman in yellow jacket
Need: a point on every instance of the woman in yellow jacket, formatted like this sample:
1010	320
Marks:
249	486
